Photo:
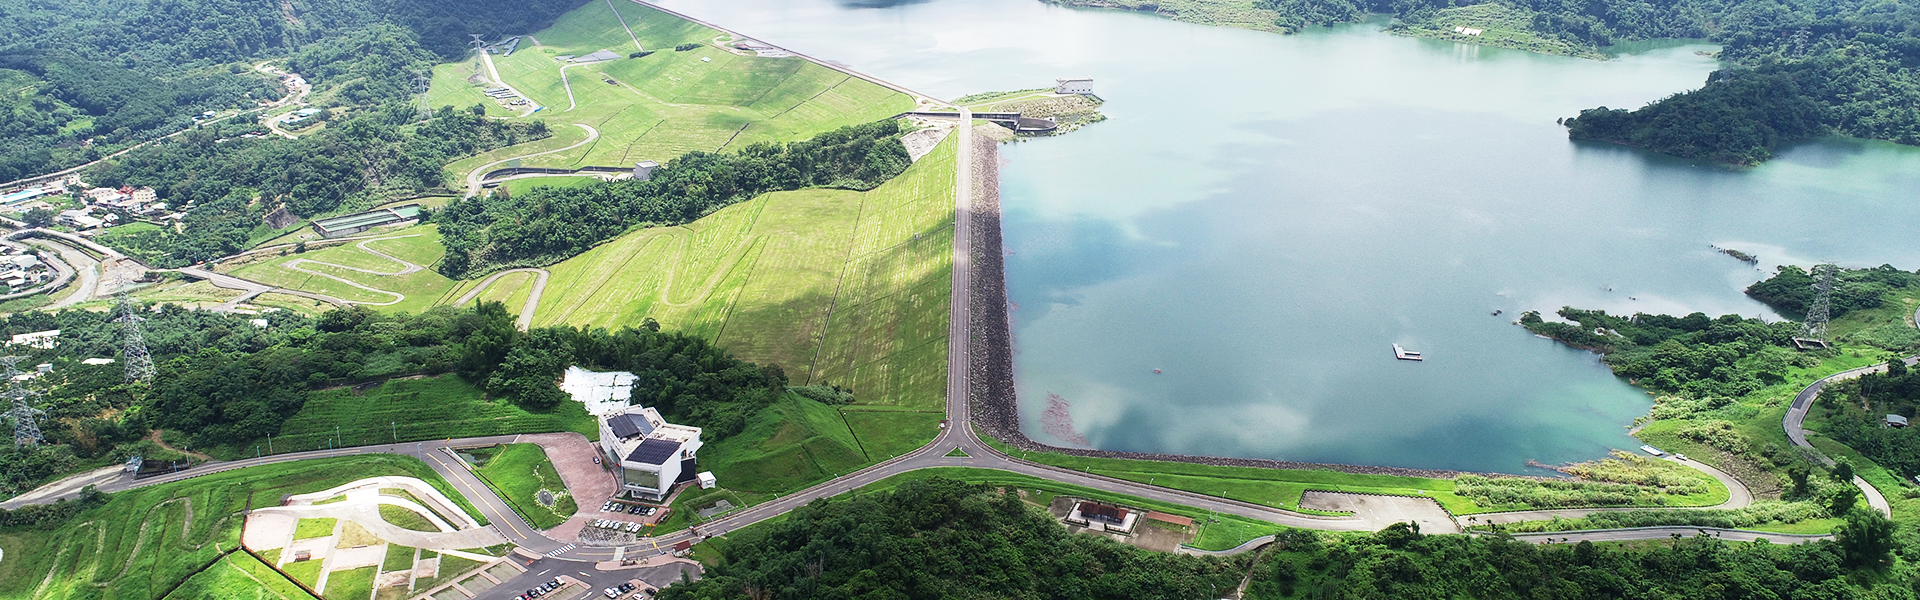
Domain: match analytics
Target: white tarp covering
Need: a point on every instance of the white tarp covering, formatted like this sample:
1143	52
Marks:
601	392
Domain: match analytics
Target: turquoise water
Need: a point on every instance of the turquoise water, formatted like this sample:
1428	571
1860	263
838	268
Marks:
1264	215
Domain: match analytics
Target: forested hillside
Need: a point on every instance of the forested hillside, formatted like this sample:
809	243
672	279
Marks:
550	224
224	383
939	538
357	161
85	77
1796	68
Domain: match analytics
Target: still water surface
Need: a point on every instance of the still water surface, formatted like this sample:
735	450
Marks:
1264	215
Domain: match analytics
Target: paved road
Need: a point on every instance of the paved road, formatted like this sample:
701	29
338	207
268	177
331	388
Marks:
1738	496
253	288
533	298
473	177
1797	415
494	74
1654	533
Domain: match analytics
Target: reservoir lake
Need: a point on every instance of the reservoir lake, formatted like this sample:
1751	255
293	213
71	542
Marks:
1263	216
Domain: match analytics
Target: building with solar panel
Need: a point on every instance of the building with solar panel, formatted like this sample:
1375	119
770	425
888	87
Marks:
653	455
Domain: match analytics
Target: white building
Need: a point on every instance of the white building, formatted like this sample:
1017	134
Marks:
653	455
38	339
78	219
1073	85
145	195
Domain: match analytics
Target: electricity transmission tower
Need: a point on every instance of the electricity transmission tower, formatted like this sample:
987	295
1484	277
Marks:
139	363
26	426
1813	330
422	81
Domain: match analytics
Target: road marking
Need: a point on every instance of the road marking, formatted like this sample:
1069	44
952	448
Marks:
562	550
472	493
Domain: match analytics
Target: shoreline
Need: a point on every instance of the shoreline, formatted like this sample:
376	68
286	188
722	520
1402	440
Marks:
992	402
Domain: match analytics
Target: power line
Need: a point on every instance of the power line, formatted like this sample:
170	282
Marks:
139	362
26	426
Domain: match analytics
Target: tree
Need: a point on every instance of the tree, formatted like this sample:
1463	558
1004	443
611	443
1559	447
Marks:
39	217
1843	502
490	334
1866	539
1799	474
1842	472
531	368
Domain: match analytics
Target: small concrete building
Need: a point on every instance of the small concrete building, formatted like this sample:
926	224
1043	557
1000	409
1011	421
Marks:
145	195
643	170
653	455
1073	85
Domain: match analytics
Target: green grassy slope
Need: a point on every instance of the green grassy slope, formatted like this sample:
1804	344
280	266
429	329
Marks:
835	286
239	576
142	543
418	409
666	104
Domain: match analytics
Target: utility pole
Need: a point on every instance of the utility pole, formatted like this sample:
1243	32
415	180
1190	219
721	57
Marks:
26	426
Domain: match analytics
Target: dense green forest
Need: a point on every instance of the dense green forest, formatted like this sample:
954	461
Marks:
356	162
1400	562
550	224
85	77
222	381
939	538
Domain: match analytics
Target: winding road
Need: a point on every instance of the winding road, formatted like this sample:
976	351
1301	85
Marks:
533	298
406	268
473	177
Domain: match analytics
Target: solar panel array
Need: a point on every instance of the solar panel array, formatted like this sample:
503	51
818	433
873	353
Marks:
654	452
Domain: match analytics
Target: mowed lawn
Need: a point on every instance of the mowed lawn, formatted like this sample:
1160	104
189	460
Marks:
142	542
518	472
841	287
412	292
666	104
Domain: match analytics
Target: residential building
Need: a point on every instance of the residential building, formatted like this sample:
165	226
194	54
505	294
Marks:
145	195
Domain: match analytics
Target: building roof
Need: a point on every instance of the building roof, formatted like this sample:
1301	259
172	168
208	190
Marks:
1091	510
654	452
630	424
1896	419
1167	518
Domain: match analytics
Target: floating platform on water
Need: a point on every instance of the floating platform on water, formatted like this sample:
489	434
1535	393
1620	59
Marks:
1405	354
